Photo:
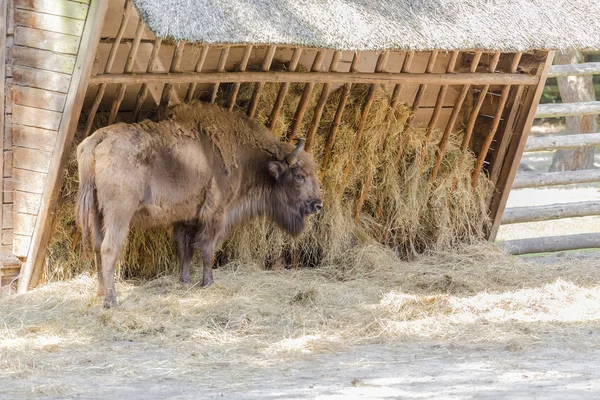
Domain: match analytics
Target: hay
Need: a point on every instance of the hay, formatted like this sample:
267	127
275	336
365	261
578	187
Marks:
474	294
416	216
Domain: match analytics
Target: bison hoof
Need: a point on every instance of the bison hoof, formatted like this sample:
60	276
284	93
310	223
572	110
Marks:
207	282
110	301
184	281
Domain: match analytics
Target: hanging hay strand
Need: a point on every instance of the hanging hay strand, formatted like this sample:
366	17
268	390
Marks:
417	215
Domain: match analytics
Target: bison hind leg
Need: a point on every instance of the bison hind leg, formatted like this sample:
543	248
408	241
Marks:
206	242
185	235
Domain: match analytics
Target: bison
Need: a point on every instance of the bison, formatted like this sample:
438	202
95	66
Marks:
202	170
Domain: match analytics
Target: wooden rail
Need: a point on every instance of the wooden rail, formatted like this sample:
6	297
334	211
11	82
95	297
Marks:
518	215
591	68
556	178
551	244
567	109
548	143
320	77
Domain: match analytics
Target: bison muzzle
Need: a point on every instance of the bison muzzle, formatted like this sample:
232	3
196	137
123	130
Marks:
203	170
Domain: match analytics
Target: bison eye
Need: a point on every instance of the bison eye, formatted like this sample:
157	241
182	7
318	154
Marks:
299	178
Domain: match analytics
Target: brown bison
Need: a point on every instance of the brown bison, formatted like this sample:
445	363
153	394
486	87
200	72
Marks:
203	170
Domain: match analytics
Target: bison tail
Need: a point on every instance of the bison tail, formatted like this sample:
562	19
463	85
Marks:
87	215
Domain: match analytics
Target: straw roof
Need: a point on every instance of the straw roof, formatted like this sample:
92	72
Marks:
502	25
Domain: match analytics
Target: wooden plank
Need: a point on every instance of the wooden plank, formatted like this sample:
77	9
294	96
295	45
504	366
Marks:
590	68
28	203
38	39
63	8
554	142
320	77
36	117
7	216
80	82
10	23
38	98
3	46
42	59
31	159
28	181
567	109
34	138
8	163
556	178
21	245
551	243
8	132
521	129
23	224
7	190
47	22
515	215
41	79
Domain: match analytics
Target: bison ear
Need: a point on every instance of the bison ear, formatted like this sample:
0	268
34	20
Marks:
276	169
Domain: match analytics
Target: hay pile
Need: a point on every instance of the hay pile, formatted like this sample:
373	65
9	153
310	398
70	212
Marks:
403	210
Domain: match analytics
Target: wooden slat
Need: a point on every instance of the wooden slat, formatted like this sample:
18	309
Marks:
28	181
556	178
7	238
47	22
21	245
36	117
23	224
143	93
28	203
57	42
198	68
567	109
8	190
168	92
7	163
42	59
242	67
32	159
220	68
63	8
283	89
516	215
83	68
8	131
478	78
590	68
306	95
41	79
551	244
258	87
33	138
554	142
38	98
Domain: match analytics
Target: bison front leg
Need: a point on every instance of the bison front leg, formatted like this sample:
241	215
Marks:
185	234
207	242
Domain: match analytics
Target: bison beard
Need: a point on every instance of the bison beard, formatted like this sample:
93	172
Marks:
204	170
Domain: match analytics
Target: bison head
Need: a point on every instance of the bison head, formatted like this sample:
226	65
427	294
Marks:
295	191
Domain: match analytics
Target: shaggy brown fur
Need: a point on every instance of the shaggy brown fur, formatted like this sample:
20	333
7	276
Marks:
204	170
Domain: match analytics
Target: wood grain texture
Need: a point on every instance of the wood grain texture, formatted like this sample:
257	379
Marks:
21	245
28	181
38	98
47	22
42	59
38	39
36	117
25	202
31	159
41	79
63	8
33	138
23	224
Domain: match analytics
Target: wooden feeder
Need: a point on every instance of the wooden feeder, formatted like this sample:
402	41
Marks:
476	64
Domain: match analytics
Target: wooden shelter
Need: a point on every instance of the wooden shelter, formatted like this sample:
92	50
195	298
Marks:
483	65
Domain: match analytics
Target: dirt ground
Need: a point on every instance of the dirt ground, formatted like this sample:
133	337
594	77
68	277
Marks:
462	325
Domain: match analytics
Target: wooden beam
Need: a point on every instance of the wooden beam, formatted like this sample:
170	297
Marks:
556	178
550	143
42	59
567	109
516	215
79	84
551	244
476	78
591	68
522	126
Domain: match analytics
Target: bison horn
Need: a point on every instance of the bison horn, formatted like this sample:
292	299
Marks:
291	158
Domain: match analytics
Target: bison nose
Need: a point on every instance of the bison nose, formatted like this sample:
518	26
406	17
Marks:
316	206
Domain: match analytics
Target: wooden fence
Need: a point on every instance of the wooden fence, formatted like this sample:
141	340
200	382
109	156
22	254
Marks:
536	180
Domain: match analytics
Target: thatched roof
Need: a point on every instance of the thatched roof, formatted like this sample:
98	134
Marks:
381	24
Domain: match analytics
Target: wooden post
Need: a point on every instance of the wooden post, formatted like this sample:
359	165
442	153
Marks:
62	149
242	67
515	149
266	65
283	89
199	64
3	15
168	88
220	68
